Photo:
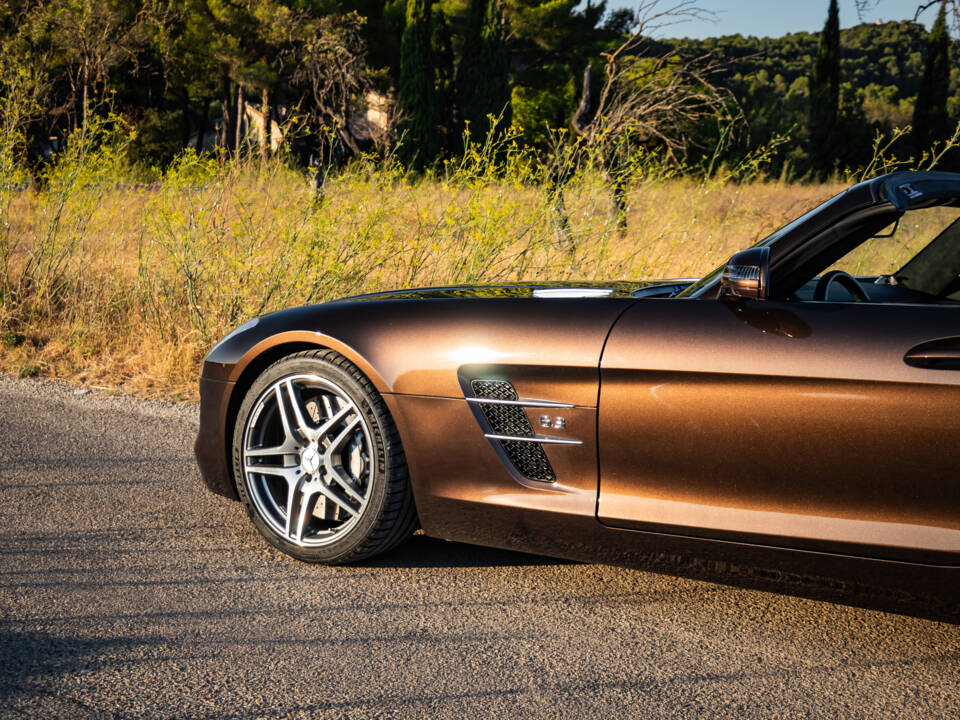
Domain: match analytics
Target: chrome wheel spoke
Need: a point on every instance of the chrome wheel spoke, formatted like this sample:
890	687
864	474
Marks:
288	435
343	482
307	432
330	459
338	440
293	494
340	502
286	449
310	434
287	472
300	509
337	417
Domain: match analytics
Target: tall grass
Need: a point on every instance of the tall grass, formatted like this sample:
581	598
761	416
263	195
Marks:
118	283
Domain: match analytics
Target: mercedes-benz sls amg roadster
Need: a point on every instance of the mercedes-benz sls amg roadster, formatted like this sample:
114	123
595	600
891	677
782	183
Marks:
799	404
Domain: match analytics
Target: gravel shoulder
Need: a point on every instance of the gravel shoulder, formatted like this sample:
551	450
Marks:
127	590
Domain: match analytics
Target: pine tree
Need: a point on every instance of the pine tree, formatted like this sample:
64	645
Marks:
825	93
930	121
417	87
483	81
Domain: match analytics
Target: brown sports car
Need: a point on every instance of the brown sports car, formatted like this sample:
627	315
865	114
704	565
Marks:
798	406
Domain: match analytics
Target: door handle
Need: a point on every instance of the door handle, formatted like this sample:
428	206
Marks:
943	354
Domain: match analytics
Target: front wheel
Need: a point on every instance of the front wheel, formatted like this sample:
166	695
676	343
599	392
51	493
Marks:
318	461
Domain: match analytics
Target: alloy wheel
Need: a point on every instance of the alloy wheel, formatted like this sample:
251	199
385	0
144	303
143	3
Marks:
307	460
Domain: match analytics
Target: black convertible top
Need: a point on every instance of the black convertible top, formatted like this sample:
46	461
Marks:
911	190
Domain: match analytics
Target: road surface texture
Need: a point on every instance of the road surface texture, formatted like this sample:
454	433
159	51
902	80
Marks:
127	590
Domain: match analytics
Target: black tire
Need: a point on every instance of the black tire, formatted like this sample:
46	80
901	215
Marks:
388	516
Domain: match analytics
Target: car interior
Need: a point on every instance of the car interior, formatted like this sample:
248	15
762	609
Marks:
931	275
887	267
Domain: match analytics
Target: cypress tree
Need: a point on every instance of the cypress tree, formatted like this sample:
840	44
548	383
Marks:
930	122
417	91
445	94
483	82
825	92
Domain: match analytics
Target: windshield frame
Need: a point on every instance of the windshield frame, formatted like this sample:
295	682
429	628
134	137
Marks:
708	281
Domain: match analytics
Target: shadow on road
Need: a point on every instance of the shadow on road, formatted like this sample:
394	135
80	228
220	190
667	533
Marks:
422	551
31	660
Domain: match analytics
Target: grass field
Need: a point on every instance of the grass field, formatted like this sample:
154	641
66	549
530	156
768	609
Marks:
127	286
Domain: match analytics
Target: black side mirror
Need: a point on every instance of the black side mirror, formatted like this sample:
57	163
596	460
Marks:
747	275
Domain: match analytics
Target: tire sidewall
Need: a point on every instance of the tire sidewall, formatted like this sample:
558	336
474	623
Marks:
343	548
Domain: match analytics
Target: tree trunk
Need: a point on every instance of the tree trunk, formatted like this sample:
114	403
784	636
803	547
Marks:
185	126
620	201
226	121
275	118
555	194
265	138
202	130
86	86
584	115
241	117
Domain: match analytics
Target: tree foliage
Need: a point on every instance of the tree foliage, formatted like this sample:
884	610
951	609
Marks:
483	80
444	80
825	92
198	74
418	86
930	117
880	70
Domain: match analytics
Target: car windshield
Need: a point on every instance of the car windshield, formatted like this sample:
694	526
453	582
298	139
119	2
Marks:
920	253
714	275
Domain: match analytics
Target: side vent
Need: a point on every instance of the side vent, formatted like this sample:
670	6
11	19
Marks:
530	460
527	456
493	390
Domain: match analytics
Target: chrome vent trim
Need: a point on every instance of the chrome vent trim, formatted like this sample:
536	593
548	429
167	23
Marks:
520	403
544	439
504	422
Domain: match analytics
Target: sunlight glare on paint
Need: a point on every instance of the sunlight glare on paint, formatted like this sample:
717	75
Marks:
475	354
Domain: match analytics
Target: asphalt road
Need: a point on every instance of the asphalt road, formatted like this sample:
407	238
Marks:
126	590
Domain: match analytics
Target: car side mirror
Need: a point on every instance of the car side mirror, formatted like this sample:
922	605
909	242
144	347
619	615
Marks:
747	275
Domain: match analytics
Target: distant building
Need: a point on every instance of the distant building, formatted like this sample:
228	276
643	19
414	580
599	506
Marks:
366	126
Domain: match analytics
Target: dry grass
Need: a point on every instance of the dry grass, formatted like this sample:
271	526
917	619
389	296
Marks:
129	286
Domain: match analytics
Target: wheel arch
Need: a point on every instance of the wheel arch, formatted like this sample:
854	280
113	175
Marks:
267	352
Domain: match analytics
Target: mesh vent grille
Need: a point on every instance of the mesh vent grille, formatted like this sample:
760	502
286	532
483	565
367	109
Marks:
508	420
528	458
494	389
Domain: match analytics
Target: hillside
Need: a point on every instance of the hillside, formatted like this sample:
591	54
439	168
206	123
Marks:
881	65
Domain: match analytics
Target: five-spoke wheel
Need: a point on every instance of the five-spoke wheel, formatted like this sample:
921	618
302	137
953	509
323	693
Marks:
318	461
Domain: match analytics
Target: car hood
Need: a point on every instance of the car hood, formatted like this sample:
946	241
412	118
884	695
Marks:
586	289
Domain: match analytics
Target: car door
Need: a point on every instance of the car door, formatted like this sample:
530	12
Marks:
822	426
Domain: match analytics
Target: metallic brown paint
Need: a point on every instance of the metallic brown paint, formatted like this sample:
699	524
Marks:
694	360
416	348
473	473
790	435
692	350
809	441
211	448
